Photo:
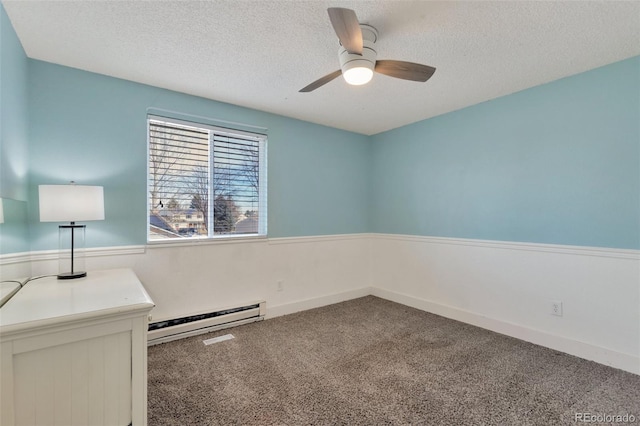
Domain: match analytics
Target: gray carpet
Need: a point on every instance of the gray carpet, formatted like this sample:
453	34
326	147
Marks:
375	362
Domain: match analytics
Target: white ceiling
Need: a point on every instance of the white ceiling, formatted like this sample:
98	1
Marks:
258	54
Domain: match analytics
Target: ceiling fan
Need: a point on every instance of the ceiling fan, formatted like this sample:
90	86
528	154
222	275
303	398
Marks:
358	54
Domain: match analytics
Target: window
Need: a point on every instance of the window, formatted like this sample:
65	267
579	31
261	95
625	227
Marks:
215	175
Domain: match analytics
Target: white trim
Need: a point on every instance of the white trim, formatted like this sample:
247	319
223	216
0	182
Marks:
226	131
316	302
623	361
318	238
10	258
39	255
35	256
505	245
164	114
508	245
91	252
263	188
227	239
114	251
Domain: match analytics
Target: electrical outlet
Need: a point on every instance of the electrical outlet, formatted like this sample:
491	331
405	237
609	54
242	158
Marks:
280	285
556	308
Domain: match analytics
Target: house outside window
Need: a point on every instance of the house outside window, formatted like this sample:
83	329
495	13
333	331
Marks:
204	181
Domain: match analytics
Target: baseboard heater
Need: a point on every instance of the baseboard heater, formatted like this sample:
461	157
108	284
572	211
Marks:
178	328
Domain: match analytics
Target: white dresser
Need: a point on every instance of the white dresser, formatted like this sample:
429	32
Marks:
8	289
74	352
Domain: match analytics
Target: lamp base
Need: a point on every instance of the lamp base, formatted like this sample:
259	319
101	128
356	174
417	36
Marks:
71	275
71	254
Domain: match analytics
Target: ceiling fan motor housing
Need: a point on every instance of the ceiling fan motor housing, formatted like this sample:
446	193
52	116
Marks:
369	53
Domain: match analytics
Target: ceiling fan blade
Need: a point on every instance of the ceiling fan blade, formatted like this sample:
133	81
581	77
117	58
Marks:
345	24
404	70
321	81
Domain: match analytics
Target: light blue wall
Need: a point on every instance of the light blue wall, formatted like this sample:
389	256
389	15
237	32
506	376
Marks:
14	236
92	129
558	164
13	113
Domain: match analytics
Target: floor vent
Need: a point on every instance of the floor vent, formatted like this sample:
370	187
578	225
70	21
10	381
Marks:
178	328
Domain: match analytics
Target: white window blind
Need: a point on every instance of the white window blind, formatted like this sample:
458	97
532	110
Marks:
204	182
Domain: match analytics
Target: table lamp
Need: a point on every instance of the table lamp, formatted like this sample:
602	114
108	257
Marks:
71	203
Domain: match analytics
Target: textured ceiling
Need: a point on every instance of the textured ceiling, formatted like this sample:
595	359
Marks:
258	54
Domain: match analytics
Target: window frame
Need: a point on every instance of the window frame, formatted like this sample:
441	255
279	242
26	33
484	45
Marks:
260	138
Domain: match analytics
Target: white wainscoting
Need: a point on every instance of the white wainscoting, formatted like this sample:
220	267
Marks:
502	286
508	288
187	279
15	266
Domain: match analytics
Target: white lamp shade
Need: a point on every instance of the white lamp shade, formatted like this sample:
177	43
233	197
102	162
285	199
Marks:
71	203
1	212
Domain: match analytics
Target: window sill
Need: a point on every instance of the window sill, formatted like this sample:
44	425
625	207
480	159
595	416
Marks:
227	239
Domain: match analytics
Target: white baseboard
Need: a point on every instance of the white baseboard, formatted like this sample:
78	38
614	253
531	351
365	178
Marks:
303	305
588	351
598	354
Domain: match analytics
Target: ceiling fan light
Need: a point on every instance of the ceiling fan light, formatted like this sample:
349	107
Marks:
358	75
358	69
